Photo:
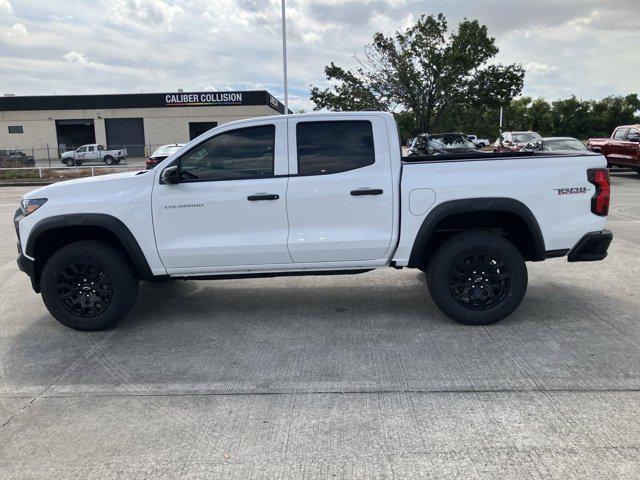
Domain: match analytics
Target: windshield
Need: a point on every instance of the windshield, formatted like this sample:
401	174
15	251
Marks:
166	151
563	144
451	141
525	137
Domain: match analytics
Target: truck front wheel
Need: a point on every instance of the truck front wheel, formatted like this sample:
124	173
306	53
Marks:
89	285
477	278
70	162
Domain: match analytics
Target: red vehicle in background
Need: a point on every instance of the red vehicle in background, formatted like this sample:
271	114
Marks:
513	141
622	149
161	153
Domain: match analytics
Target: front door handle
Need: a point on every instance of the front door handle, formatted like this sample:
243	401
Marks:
262	196
366	191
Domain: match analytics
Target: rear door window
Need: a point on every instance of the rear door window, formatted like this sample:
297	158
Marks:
333	147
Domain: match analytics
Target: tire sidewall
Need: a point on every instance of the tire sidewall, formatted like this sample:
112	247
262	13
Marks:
123	284
460	246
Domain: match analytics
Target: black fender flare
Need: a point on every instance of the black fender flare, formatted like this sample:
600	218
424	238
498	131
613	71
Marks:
107	222
469	205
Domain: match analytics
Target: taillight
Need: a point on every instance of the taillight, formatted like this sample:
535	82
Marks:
600	200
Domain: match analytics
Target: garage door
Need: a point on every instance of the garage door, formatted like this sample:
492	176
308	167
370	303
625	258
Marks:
126	132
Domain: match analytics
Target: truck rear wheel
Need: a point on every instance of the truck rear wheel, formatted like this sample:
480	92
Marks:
477	278
89	285
108	160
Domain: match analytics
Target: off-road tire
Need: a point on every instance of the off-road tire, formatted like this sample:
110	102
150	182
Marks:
443	282
70	162
116	283
108	160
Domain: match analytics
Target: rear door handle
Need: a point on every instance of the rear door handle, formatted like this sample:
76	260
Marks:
262	196
366	191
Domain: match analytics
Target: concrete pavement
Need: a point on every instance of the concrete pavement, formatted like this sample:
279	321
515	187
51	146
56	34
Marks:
330	377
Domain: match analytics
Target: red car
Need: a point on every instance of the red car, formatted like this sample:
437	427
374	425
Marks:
622	149
513	141
161	153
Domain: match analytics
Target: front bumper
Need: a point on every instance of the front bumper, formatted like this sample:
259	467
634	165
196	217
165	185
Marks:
25	264
591	247
28	266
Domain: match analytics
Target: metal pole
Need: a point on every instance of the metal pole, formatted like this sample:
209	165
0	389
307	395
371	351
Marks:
500	119
284	58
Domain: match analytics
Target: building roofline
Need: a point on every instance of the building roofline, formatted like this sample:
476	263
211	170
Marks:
141	100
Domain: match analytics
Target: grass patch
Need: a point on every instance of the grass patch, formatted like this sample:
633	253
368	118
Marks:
18	174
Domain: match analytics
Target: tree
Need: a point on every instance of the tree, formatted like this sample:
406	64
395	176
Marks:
425	71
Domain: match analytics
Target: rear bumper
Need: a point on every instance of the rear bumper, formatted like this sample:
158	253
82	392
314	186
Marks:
592	247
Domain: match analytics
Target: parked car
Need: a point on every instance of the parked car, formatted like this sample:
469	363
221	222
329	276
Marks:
555	144
513	141
93	152
440	144
12	158
312	194
161	153
478	142
622	149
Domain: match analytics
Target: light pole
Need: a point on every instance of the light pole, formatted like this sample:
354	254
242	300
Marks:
284	58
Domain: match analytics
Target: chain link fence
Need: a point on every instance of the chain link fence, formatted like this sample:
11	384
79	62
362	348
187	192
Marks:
50	156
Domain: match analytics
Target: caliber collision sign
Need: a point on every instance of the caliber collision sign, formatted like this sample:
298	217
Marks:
206	98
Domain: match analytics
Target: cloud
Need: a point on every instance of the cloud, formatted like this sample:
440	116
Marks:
144	14
5	6
78	58
17	30
536	68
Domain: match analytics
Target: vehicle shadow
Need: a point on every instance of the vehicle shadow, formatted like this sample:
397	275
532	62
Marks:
373	332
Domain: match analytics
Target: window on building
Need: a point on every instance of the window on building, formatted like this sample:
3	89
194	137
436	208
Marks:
16	129
332	147
233	155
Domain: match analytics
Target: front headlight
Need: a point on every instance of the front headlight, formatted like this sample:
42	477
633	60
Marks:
30	205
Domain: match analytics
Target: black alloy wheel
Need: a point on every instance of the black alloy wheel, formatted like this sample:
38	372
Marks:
84	290
477	277
89	285
479	281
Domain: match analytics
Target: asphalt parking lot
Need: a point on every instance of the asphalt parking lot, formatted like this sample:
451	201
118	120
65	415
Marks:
330	377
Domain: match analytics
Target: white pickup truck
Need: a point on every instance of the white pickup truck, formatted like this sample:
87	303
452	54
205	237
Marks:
93	152
479	142
312	194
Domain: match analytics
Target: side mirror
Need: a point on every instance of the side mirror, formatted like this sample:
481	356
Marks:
171	175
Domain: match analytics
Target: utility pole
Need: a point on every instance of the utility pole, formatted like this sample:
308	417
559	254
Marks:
500	117
284	58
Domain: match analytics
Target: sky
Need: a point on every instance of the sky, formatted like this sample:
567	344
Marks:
587	48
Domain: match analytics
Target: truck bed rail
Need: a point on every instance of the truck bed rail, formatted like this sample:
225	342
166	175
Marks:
479	156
